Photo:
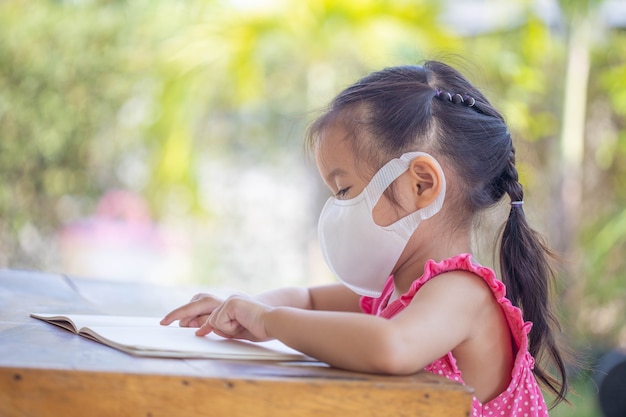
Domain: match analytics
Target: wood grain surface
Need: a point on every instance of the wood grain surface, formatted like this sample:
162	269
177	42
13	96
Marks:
47	371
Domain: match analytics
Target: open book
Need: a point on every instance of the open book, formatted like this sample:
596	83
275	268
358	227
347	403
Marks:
144	336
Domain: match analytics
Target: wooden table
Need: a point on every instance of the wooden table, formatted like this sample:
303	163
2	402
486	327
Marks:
47	371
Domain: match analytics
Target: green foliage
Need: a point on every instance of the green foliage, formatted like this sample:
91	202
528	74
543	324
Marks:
63	76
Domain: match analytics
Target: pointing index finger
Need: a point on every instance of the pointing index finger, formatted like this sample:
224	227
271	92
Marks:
184	313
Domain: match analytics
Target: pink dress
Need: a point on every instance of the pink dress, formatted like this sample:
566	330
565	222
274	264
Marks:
522	398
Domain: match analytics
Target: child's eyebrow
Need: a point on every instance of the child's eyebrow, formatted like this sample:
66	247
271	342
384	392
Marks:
337	172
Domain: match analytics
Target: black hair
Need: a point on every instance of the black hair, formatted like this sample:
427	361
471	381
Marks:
433	108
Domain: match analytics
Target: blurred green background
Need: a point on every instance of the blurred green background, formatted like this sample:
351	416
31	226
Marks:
161	140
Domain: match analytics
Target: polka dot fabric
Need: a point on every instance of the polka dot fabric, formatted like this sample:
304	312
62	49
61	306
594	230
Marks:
523	397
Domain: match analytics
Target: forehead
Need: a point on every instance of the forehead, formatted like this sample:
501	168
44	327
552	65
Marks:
337	158
334	149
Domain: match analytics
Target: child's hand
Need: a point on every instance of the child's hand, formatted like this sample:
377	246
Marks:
238	317
195	313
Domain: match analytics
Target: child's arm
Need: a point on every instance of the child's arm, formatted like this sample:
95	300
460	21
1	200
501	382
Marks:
440	317
335	297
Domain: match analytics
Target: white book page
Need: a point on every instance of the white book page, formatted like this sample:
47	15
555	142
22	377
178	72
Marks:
86	320
182	342
144	336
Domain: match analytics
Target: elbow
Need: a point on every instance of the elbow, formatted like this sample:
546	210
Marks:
393	358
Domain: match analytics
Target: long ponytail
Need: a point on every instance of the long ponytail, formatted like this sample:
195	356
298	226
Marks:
526	265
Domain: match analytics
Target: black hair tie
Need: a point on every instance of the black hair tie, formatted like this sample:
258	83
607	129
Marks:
455	98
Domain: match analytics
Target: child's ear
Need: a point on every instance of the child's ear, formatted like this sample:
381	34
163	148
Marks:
426	179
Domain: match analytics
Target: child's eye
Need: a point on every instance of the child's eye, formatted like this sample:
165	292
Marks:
341	194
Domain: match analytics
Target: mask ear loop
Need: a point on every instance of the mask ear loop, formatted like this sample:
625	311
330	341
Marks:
383	179
388	174
409	222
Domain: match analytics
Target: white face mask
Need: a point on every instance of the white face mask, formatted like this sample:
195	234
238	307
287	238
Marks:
361	253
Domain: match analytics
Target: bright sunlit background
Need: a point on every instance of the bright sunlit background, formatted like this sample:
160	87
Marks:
162	141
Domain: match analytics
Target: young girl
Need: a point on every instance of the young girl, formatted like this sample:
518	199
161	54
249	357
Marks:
412	154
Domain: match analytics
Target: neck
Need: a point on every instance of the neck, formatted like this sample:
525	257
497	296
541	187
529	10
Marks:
422	248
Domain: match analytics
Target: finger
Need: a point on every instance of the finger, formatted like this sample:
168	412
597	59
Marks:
191	321
197	321
180	313
238	317
194	321
243	334
222	334
223	320
201	306
205	329
232	330
199	296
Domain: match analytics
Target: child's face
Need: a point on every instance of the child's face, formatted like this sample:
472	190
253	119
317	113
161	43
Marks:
337	165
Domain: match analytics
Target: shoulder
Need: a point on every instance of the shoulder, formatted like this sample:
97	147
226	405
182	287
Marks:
459	291
449	310
457	283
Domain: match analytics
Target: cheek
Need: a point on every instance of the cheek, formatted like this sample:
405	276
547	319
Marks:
387	211
384	213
